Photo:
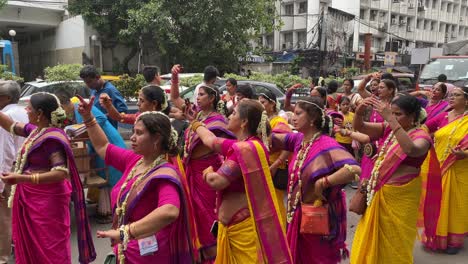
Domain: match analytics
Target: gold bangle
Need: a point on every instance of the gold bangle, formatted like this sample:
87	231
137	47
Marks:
350	169
35	178
196	125
91	123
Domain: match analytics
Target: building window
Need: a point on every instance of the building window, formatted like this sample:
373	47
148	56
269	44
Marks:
302	39
289	9
434	4
433	25
287	40
303	7
269	41
373	15
362	14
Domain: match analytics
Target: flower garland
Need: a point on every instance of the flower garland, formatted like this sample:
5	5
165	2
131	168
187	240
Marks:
22	158
301	156
375	171
188	138
449	146
122	206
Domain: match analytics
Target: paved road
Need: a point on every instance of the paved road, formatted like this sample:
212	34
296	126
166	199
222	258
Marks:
420	256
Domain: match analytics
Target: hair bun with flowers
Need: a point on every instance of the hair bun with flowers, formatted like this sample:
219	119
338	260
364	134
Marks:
221	107
422	117
174	138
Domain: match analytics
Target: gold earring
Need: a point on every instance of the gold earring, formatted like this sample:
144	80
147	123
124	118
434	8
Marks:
38	119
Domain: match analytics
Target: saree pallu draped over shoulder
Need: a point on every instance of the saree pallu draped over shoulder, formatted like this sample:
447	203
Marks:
175	245
452	224
263	226
388	229
41	214
324	158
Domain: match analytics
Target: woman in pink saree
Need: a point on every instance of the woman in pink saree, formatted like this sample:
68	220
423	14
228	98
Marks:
46	180
320	168
198	157
250	230
436	104
386	92
150	222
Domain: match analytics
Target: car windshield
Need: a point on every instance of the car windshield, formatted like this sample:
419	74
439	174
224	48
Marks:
454	68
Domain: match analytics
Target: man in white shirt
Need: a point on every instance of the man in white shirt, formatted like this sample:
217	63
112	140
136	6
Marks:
210	74
9	96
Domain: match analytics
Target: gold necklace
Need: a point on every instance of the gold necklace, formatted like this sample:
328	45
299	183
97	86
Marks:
22	157
301	156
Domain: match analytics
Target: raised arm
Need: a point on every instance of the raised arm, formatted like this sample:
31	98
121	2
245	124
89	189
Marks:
106	103
175	96
373	130
362	86
207	137
96	134
289	93
413	148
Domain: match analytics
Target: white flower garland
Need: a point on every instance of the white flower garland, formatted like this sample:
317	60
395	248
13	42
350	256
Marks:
21	159
262	129
121	207
296	172
375	171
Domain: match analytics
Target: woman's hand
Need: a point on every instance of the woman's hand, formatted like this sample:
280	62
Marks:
189	113
176	69
459	153
14	178
318	189
114	235
361	108
293	88
84	108
382	108
105	100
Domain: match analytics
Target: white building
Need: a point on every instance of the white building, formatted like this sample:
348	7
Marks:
406	23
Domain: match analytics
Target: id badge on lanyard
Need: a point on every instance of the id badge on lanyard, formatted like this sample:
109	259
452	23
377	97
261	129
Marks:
148	245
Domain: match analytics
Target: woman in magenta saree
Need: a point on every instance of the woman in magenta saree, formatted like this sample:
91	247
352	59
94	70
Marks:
318	171
46	180
150	222
197	158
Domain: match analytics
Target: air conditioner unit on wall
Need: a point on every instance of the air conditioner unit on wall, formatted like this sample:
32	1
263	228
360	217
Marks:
394	21
396	1
409	29
421	8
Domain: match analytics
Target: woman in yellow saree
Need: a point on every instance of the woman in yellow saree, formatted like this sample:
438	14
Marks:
278	159
451	144
250	230
387	230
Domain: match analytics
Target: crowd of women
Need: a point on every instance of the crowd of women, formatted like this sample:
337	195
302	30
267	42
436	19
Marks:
246	188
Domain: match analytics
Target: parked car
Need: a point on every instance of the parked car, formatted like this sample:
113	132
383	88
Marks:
406	81
258	88
31	88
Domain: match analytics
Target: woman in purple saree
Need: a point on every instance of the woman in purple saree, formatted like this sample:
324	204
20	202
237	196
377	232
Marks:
318	171
46	180
150	222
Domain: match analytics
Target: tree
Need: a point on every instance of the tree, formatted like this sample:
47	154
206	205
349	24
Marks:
3	3
191	32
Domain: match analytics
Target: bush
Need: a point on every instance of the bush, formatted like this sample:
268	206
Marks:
282	80
9	76
129	86
63	72
191	81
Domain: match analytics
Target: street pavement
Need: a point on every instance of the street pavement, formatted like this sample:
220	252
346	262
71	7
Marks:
420	256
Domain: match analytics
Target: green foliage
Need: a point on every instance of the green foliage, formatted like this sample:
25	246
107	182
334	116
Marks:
7	75
191	81
190	32
350	72
295	65
129	86
63	72
283	80
3	3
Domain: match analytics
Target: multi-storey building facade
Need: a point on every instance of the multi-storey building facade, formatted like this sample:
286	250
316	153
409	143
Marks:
396	25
